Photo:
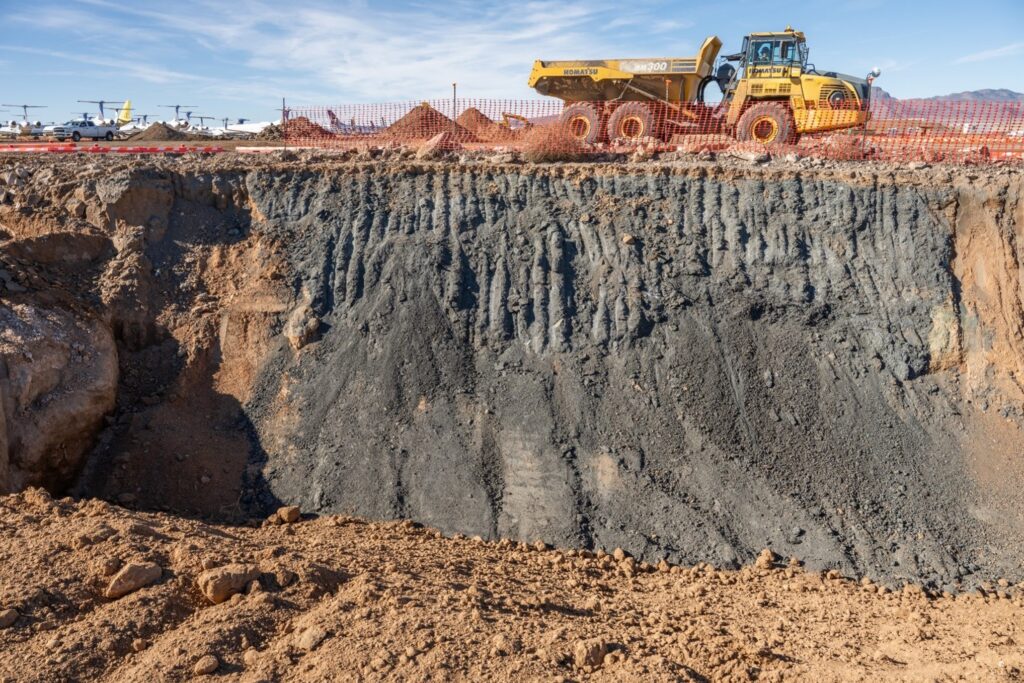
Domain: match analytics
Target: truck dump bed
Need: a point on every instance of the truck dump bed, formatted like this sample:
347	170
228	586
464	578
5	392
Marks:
665	78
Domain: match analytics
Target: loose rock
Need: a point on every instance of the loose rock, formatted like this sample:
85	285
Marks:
309	638
221	583
8	617
131	578
289	514
589	653
206	665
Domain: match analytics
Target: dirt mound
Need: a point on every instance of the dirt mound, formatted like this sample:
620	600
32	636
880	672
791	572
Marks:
95	592
424	122
302	127
270	133
160	132
484	128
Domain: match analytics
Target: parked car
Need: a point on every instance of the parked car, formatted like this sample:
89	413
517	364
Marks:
82	128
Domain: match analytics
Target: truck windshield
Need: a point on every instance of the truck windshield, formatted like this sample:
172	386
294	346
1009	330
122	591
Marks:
772	51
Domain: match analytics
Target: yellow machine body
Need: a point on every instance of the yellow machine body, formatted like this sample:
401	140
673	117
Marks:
671	79
772	96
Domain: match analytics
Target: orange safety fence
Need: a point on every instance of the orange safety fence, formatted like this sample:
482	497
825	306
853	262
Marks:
890	129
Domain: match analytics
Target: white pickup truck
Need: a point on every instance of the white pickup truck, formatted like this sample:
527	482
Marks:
81	128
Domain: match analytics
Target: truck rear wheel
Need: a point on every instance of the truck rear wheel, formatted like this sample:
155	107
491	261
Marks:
582	121
631	121
769	123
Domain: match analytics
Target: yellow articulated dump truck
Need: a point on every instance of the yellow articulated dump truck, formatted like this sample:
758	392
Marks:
770	94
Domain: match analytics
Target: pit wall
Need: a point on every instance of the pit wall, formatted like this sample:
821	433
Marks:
691	362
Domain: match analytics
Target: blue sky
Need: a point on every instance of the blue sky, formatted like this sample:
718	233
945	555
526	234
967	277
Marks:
238	58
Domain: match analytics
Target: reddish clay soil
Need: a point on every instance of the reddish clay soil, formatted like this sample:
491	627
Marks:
424	122
90	591
484	128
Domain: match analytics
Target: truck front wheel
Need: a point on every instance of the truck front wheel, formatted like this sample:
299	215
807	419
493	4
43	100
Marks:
582	121
76	136
632	121
109	136
768	123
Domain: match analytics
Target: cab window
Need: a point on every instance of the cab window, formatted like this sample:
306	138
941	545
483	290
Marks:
760	52
772	52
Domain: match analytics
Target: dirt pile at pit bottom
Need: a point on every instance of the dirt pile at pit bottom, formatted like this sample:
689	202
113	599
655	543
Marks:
336	597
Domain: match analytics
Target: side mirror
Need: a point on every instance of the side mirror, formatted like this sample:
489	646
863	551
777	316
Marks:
876	72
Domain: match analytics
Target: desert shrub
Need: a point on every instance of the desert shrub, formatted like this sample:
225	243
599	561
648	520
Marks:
551	143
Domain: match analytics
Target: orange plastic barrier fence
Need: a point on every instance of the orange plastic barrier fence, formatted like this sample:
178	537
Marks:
896	130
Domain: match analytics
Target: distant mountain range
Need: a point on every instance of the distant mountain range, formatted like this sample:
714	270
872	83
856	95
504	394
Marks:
986	95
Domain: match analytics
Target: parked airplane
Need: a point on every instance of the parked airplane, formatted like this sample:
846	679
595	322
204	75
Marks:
24	127
124	116
177	111
242	129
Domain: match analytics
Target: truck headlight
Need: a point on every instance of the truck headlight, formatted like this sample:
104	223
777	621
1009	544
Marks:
837	99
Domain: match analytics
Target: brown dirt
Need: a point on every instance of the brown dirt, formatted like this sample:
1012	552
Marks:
159	132
271	132
484	128
338	598
470	610
424	122
302	127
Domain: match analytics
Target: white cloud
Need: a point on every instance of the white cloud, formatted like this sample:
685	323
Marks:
995	53
150	73
350	51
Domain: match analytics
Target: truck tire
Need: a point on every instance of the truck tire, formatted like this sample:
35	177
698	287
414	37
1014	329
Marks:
632	121
769	123
582	121
76	136
109	136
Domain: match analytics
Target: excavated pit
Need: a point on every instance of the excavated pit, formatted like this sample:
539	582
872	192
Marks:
688	360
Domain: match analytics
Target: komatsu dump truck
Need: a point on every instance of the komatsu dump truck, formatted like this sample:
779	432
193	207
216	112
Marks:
771	94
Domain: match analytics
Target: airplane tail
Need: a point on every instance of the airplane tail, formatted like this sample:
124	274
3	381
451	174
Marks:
335	123
124	116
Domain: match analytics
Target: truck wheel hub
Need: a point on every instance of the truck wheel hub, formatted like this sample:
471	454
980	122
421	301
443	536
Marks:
764	129
579	127
632	127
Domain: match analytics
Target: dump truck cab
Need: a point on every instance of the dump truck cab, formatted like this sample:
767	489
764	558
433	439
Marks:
789	96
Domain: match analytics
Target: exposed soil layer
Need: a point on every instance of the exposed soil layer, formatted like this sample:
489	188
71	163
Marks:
689	360
93	592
